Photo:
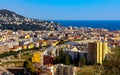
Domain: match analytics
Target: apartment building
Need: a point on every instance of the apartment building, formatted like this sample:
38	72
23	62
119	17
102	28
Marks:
64	70
97	52
38	57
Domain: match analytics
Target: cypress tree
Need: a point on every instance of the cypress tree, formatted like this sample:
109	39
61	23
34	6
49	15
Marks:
67	59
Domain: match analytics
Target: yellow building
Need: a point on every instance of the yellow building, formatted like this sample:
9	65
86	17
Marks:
30	46
25	47
44	43
97	52
27	36
38	57
55	43
2	39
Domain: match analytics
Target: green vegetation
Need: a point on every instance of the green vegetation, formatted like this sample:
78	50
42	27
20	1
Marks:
9	53
26	56
62	58
62	42
33	24
30	67
90	70
82	61
15	53
112	63
66	59
25	27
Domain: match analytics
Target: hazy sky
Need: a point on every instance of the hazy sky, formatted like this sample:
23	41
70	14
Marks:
65	9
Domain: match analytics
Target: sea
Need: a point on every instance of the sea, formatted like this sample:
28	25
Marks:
111	25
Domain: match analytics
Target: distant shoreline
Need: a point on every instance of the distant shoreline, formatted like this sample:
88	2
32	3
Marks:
106	24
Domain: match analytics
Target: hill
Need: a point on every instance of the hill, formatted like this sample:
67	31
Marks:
5	12
11	20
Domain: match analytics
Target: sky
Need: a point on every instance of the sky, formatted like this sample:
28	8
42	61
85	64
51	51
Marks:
65	9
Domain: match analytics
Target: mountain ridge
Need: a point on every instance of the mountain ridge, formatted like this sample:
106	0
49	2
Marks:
4	11
17	22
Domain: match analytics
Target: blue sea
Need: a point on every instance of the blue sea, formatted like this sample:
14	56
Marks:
110	25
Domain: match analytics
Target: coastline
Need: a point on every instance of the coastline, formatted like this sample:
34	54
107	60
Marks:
111	25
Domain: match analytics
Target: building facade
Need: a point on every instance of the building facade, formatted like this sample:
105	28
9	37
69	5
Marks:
64	70
38	57
97	52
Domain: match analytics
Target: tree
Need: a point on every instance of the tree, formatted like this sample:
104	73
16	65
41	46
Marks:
56	52
82	61
63	58
57	60
67	59
71	61
29	65
112	63
78	59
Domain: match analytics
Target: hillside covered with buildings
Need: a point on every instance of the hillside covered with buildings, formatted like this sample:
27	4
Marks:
36	47
12	21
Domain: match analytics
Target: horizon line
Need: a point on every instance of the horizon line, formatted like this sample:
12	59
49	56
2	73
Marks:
81	20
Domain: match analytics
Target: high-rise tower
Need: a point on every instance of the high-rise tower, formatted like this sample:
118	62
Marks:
97	51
